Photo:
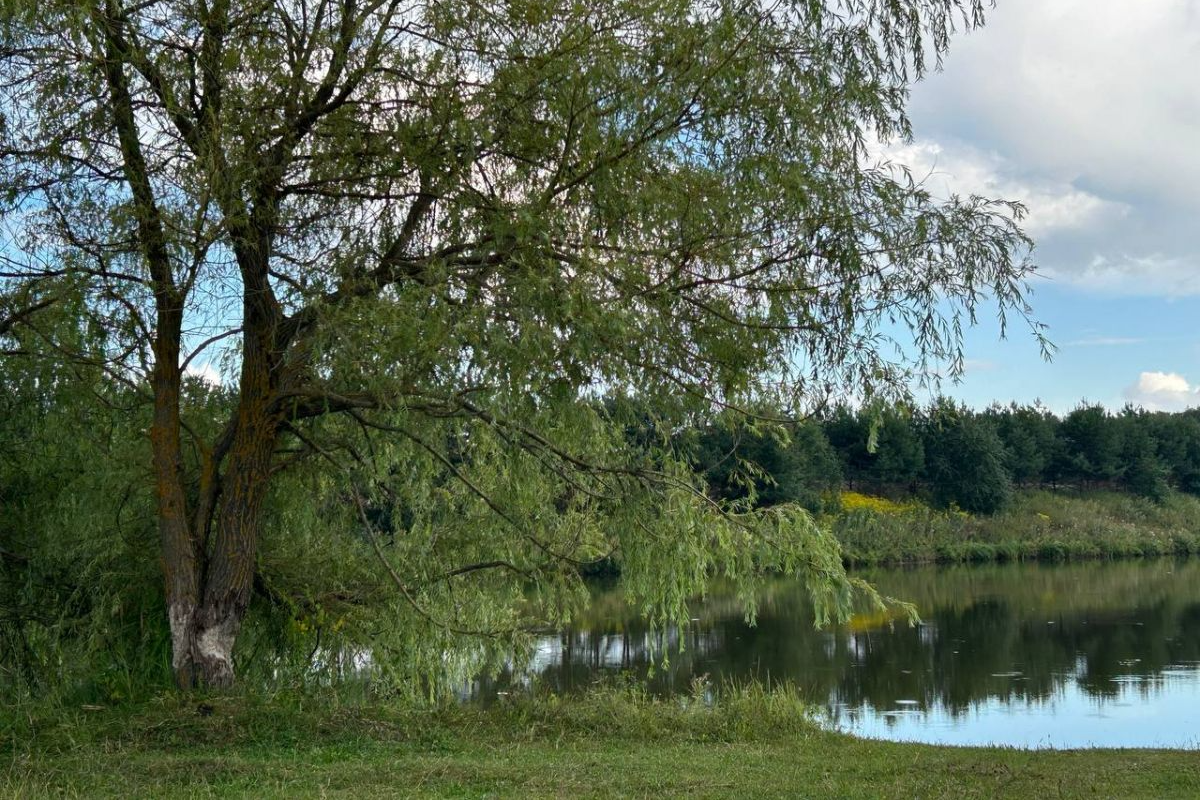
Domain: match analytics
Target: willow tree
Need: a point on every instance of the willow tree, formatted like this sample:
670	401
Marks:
424	237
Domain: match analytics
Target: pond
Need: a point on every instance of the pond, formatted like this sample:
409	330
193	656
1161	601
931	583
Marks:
1028	655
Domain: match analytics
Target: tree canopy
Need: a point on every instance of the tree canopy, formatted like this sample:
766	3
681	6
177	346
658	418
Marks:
421	240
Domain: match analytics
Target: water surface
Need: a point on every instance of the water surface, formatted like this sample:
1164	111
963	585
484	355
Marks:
1080	655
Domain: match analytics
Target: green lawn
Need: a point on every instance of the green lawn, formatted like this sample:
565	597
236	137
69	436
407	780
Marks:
610	744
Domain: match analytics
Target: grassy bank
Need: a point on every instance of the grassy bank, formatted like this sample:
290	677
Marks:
1039	524
610	743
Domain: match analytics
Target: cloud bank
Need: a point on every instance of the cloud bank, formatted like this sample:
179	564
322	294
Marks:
1085	110
1163	391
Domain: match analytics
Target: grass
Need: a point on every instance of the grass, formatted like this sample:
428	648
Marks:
1038	525
610	743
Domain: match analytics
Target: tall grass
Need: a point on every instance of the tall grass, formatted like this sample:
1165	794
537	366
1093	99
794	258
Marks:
1038	525
253	718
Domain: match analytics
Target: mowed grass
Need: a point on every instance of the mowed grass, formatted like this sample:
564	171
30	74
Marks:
612	743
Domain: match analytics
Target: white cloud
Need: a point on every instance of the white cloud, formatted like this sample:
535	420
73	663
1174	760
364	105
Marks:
205	372
1095	101
1163	391
1105	341
1052	203
1104	88
1153	274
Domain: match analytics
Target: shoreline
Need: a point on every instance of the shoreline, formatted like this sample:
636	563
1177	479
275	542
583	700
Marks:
1039	526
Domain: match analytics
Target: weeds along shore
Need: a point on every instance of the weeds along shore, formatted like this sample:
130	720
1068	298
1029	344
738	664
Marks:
1039	525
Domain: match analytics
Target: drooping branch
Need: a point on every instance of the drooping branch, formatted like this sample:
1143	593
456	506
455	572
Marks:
407	593
13	318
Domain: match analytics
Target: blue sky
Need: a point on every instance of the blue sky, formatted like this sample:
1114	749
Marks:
1088	111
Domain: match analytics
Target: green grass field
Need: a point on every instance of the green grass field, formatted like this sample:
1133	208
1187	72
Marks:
608	744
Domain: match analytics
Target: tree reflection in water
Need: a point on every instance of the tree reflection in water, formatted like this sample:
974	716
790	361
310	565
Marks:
990	636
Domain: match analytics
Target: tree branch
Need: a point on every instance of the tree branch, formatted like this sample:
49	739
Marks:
9	322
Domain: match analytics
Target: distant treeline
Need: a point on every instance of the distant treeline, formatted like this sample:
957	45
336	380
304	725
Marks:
950	455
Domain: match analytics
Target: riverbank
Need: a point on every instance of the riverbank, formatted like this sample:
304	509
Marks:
1038	525
612	743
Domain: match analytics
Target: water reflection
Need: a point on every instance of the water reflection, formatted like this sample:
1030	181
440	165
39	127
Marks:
1029	655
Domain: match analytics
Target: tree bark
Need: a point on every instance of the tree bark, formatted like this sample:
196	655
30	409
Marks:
180	563
208	550
229	572
180	551
229	576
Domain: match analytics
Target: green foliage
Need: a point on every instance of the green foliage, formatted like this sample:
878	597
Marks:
899	454
1144	473
1036	525
437	234
818	472
1091	449
849	434
965	461
80	607
1028	434
971	459
1177	442
769	467
879	446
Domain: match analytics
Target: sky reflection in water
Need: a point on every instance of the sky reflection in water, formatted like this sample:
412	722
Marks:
1081	655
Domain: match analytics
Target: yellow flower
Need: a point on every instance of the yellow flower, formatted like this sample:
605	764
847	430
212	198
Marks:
855	501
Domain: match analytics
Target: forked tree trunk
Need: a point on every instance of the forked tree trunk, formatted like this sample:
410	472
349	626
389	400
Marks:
206	614
207	583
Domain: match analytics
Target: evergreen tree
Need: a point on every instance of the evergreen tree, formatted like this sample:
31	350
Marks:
1177	441
817	469
791	464
965	463
1143	473
899	457
848	434
1090	446
1028	434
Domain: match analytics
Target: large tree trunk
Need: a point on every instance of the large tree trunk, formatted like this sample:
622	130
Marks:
229	573
179	557
180	554
207	583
